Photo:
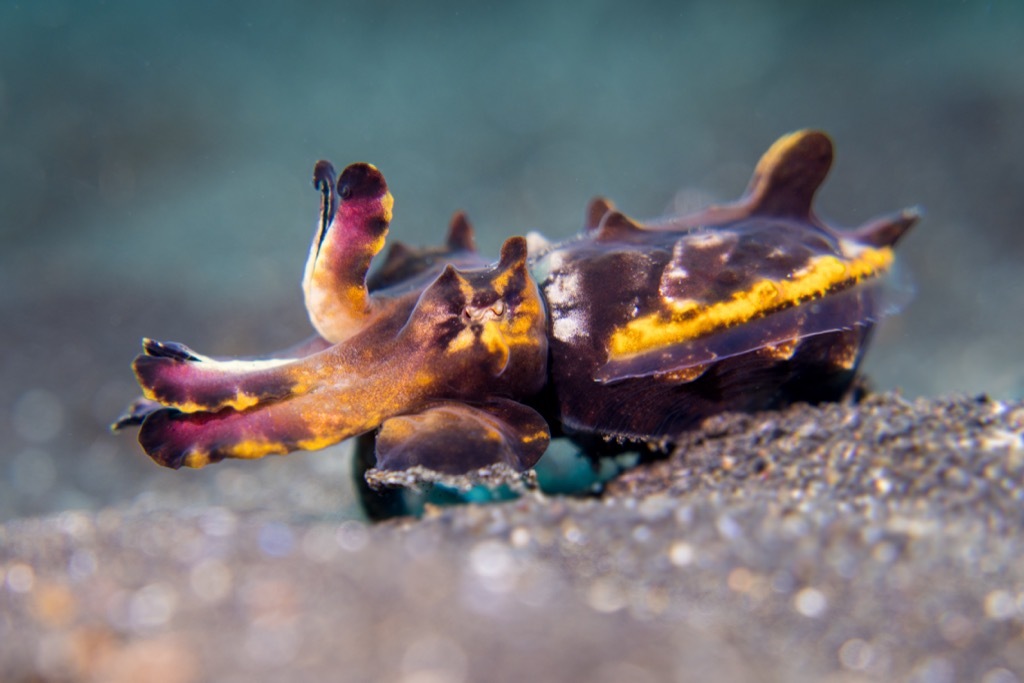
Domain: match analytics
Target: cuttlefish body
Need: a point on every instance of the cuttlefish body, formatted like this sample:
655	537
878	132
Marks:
629	331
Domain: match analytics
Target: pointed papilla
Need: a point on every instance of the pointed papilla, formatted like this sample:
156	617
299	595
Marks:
513	253
888	230
461	236
789	174
597	209
617	226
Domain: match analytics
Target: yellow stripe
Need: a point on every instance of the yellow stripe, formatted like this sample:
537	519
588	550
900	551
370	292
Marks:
240	402
688	320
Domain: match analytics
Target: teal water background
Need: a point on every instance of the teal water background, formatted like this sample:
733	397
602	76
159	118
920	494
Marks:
155	165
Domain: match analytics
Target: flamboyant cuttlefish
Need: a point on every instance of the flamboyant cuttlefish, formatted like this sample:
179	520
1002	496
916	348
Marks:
629	331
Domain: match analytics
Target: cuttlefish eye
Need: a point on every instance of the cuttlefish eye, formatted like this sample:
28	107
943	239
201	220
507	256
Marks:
361	181
481	311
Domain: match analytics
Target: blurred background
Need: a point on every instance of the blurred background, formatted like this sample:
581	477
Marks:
156	158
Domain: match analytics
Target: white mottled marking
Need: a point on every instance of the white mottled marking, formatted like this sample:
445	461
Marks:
564	290
566	326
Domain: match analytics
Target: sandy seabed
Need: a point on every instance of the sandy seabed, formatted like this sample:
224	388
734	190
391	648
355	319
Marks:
879	541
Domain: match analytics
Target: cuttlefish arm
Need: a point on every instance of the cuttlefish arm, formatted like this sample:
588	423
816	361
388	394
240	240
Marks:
306	404
355	214
137	410
470	334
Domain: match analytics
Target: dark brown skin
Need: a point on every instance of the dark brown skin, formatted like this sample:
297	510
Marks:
619	279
